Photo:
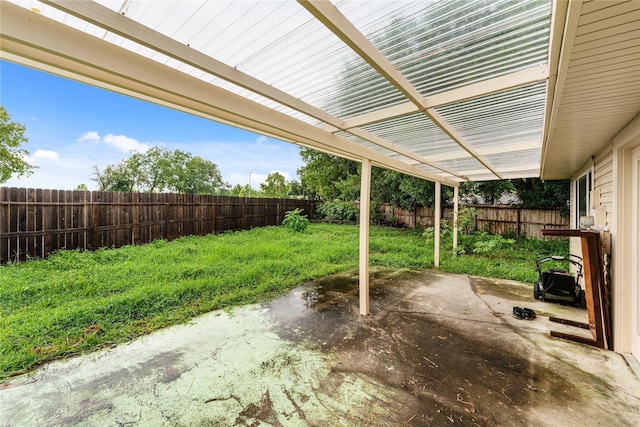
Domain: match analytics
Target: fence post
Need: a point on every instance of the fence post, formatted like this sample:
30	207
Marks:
166	221
475	221
518	222
213	216
244	214
94	226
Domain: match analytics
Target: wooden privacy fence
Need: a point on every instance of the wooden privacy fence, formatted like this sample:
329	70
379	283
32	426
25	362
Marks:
35	222
494	219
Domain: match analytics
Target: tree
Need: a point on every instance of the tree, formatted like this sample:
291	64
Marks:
275	186
241	191
489	191
332	178
534	193
400	190
159	169
194	175
82	187
12	158
114	178
151	171
297	189
329	177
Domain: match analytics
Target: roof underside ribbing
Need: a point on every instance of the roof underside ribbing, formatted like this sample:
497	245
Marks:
445	90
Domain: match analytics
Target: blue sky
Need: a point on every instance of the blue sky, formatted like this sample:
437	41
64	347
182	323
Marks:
72	127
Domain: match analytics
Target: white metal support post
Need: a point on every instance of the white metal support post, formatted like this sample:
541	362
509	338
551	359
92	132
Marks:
365	195
436	226
455	217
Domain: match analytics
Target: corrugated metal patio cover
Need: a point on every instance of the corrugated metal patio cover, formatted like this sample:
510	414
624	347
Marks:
446	90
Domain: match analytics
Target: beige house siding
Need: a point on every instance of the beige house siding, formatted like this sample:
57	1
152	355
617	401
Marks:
602	208
603	186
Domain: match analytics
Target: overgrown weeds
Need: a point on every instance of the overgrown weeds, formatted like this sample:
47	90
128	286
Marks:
80	301
337	211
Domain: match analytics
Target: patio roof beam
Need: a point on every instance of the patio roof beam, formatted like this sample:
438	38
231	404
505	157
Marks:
511	148
63	50
381	142
337	23
334	20
523	169
508	81
121	25
454	135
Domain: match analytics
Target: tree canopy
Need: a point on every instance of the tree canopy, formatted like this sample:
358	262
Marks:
329	177
534	193
275	185
159	169
332	178
12	158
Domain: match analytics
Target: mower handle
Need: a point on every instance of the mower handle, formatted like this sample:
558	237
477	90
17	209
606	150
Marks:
572	259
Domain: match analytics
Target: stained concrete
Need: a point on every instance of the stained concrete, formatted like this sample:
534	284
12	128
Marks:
438	349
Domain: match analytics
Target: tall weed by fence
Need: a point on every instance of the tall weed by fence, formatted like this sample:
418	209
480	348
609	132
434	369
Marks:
36	222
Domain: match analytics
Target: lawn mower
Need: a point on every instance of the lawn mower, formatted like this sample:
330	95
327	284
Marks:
558	284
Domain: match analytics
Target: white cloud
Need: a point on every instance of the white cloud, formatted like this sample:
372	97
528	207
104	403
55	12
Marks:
125	144
261	140
120	142
46	155
92	137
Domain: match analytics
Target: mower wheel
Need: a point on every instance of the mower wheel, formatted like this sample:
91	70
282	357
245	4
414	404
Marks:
536	290
582	299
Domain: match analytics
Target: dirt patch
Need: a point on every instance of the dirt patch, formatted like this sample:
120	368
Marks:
254	415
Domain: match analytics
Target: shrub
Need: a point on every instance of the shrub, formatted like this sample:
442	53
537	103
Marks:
466	219
470	241
485	243
337	211
295	221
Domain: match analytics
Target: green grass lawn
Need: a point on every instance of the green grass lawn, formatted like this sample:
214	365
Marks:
80	301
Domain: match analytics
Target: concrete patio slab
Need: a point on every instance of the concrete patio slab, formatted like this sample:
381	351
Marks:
437	349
